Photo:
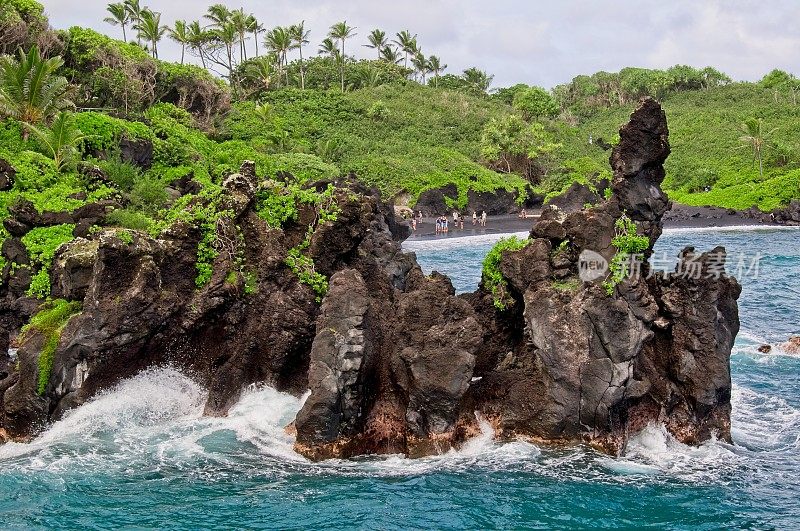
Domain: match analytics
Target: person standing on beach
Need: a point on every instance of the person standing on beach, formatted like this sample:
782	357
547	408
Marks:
474	217
483	218
438	225
455	219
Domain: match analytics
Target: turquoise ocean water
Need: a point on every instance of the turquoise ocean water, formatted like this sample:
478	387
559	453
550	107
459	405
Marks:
142	456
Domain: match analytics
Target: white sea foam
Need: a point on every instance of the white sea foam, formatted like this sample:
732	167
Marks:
154	422
114	420
654	446
762	422
731	228
444	244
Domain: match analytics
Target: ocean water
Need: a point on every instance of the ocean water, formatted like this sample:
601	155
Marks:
142	456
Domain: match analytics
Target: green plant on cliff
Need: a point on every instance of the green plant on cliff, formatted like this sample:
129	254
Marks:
205	212
629	247
278	211
303	266
492	277
49	321
42	243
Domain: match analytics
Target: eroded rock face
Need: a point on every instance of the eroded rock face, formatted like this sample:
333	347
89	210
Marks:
395	362
598	367
388	369
141	306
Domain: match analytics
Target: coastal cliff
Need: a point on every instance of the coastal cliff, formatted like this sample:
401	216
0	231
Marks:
394	360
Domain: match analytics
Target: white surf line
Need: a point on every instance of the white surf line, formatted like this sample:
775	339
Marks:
434	243
732	228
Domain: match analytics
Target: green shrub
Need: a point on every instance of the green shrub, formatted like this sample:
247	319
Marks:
304	167
123	174
148	194
248	120
535	102
303	266
176	141
492	278
378	111
49	321
104	132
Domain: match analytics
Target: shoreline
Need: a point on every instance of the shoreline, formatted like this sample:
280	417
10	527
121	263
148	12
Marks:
681	217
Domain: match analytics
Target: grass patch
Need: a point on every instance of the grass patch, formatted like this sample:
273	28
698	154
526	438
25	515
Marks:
565	285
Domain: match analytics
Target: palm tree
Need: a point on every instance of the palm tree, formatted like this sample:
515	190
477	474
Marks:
390	54
61	140
279	41
368	77
227	36
435	65
407	44
755	137
300	36
30	90
240	21
477	79
218	14
119	17
420	64
261	70
134	10
198	38
377	41
151	30
329	48
341	32
255	28
180	34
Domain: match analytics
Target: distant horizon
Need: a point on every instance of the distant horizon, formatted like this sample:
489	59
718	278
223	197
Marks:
540	45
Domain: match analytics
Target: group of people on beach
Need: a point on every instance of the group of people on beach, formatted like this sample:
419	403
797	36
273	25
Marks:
443	223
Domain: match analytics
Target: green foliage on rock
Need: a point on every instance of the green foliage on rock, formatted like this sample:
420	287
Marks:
492	277
630	247
103	132
42	243
60	142
49	321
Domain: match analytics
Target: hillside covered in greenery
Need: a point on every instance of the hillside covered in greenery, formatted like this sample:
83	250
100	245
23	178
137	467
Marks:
91	120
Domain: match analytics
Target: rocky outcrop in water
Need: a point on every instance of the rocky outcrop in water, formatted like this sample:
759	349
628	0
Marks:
395	362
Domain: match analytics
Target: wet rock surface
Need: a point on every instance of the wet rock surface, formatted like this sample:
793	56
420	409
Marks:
395	362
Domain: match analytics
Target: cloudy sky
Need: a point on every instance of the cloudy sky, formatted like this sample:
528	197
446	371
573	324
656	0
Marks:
536	42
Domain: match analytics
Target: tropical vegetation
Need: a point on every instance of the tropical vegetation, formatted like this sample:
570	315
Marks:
400	121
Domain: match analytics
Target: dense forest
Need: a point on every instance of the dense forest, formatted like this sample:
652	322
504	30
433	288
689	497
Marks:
91	120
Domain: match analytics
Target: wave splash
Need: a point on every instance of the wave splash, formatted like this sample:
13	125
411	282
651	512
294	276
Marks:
153	423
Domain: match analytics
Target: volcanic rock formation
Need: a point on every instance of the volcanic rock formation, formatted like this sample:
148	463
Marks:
394	360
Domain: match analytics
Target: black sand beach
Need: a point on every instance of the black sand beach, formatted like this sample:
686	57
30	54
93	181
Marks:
680	217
